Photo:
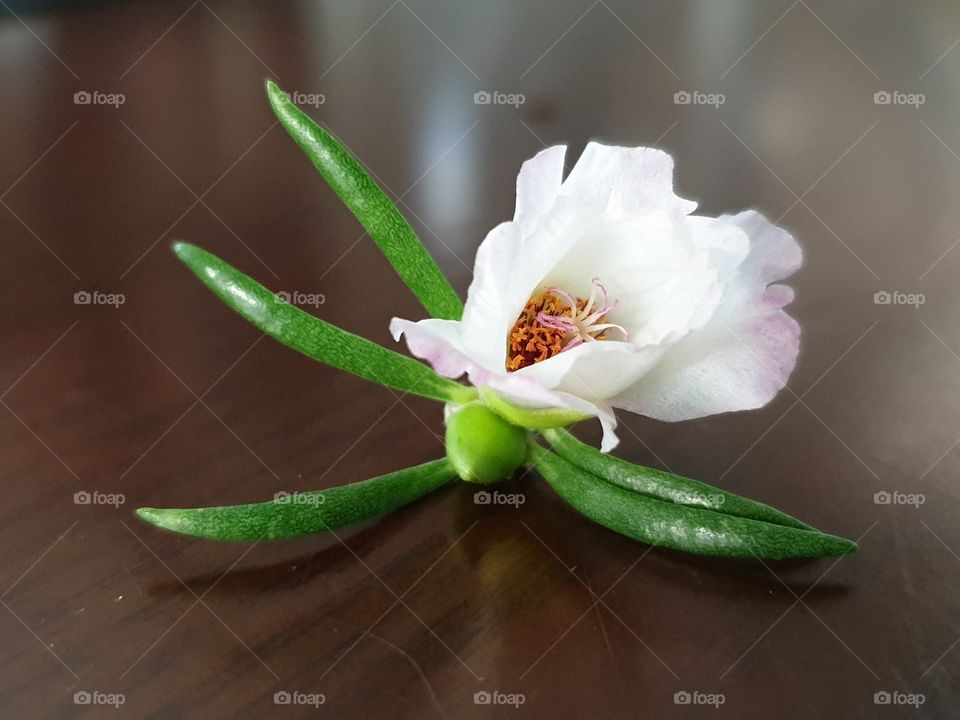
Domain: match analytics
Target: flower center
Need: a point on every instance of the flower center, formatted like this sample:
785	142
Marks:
554	321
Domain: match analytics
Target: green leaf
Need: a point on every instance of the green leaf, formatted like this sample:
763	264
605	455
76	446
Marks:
680	527
317	338
375	211
305	513
663	485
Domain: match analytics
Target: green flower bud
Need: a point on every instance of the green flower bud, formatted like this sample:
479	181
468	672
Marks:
482	446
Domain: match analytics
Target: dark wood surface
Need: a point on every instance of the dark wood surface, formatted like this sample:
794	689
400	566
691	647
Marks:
170	400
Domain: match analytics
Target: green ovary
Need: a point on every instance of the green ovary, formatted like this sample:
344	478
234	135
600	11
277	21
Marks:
482	446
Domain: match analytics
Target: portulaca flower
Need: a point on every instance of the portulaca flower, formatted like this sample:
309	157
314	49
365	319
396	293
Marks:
605	292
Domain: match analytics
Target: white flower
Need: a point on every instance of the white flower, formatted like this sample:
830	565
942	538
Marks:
604	292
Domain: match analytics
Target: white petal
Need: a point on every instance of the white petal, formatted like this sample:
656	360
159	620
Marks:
727	242
509	268
745	354
609	441
594	370
663	270
539	183
620	179
518	258
497	294
727	246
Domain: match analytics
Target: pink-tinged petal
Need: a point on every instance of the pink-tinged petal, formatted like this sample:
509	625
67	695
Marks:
539	183
744	355
741	366
777	296
437	342
624	180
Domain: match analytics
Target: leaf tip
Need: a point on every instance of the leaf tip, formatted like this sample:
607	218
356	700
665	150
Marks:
837	546
161	518
194	257
275	94
150	515
181	249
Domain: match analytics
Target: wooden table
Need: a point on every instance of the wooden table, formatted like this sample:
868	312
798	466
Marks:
170	400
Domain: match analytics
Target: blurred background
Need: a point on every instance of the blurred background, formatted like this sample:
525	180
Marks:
124	383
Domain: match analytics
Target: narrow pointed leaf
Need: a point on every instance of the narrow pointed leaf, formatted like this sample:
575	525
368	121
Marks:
317	338
375	211
666	524
663	485
305	513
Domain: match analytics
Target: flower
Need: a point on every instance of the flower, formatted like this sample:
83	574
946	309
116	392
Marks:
605	292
